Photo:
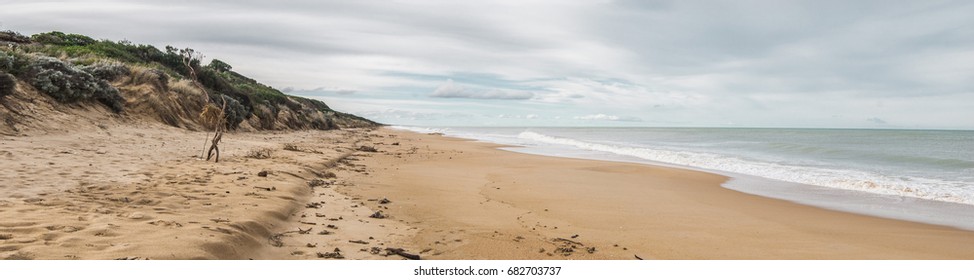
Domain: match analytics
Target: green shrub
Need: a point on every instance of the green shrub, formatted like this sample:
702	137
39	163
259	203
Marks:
111	97
107	71
12	36
14	63
220	66
68	84
235	112
7	84
62	39
6	62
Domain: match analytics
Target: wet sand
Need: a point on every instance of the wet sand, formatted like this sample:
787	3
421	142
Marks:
470	200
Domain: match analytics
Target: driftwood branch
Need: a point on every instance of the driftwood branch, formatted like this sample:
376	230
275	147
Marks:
402	252
221	118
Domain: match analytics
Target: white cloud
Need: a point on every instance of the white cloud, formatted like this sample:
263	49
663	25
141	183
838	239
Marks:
451	89
604	117
320	91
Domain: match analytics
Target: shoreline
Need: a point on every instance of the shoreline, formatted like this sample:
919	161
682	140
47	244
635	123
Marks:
851	201
654	212
900	207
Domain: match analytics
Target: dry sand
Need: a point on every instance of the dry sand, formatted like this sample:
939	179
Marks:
138	191
124	192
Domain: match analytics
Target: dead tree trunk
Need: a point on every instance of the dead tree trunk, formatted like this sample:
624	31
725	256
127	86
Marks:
215	146
220	124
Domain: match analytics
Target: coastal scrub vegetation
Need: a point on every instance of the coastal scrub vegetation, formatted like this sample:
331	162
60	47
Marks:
68	84
73	68
7	84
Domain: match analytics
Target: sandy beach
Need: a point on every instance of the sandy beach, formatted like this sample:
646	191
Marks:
140	192
471	200
122	192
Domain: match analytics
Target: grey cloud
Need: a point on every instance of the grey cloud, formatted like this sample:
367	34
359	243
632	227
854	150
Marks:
867	46
747	57
321	91
395	114
876	120
454	90
604	117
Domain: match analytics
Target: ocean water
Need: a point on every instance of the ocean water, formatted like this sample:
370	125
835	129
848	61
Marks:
920	175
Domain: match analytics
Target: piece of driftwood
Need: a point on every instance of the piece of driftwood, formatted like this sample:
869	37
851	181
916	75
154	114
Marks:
402	252
559	239
331	255
369	149
215	142
314	205
637	257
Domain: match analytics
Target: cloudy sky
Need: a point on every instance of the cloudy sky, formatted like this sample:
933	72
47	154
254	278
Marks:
877	64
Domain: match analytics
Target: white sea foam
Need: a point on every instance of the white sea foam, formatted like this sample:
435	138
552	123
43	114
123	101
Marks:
858	180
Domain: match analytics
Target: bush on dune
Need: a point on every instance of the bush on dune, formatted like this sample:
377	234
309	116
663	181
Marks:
62	39
12	36
235	112
15	63
108	71
7	84
68	84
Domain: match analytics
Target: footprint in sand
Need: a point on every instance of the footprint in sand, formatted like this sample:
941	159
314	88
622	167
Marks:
20	255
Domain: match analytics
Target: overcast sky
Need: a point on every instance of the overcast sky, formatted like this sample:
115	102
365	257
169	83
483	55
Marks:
878	64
